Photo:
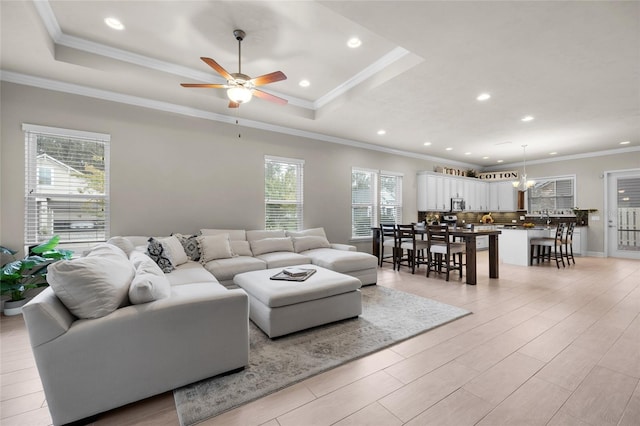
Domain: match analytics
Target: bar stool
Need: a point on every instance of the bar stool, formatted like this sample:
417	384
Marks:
567	242
540	245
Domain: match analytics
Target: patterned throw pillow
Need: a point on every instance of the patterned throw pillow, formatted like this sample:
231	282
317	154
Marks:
190	245
156	251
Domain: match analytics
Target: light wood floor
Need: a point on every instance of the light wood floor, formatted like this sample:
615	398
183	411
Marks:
544	346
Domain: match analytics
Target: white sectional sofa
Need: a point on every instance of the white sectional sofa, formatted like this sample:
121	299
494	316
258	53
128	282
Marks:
113	328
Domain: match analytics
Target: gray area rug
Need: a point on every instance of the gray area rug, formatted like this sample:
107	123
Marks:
388	317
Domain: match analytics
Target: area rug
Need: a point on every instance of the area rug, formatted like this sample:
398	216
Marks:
388	317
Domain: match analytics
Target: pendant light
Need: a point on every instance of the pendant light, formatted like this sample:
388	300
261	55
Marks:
523	184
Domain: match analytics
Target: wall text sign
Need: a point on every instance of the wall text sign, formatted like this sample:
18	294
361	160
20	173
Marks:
504	175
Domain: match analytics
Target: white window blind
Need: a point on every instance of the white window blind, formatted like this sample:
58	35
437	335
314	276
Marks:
363	201
376	197
283	193
390	197
66	185
552	195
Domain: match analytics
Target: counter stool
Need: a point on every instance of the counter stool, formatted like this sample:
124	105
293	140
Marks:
414	247
441	251
540	248
567	242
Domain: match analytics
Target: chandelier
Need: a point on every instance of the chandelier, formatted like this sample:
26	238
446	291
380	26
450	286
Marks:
523	184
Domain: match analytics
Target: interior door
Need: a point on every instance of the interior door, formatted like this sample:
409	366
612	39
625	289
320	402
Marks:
623	214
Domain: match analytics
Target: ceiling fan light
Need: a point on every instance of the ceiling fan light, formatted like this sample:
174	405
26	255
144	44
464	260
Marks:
239	94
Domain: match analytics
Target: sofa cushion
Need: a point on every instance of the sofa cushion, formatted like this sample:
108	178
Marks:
234	234
176	252
226	269
190	272
190	245
95	285
123	243
269	245
149	283
340	260
315	232
157	252
214	247
261	234
301	244
241	248
281	259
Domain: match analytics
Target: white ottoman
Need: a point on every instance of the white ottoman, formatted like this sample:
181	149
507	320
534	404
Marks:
282	307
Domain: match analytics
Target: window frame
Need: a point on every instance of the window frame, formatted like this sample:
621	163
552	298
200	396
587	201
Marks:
34	191
299	201
555	197
377	205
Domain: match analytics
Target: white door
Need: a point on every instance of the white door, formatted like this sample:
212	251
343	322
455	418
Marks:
623	214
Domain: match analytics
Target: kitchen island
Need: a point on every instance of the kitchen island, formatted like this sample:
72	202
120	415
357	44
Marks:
514	244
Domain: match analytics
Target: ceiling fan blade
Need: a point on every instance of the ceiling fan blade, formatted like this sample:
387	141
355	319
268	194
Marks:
210	86
233	104
213	64
268	78
269	97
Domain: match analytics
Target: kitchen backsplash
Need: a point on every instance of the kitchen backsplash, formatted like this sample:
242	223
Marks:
500	218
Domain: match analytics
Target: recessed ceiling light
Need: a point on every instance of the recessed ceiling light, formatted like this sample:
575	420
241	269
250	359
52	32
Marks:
483	97
553	153
449	149
485	158
427	143
304	83
467	153
527	118
382	132
114	23
625	143
499	161
354	42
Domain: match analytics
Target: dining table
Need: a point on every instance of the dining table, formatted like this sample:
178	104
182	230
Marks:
469	237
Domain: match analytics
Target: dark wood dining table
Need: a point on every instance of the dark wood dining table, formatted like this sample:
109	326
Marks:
469	236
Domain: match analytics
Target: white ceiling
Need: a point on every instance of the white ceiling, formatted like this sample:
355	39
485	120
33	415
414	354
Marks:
574	66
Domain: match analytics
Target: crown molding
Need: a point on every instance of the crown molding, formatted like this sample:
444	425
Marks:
75	89
568	157
55	32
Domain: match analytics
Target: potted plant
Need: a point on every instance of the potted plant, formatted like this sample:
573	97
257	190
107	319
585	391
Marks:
18	276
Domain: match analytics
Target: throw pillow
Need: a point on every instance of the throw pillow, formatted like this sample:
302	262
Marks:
241	248
95	285
123	243
310	242
214	247
269	245
156	251
190	245
175	249
149	283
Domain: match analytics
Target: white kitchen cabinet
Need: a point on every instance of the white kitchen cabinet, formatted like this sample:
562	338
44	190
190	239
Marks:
427	192
436	190
502	197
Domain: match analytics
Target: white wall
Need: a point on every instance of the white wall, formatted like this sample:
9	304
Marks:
171	173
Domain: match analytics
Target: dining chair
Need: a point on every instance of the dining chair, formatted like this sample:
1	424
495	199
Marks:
567	243
388	241
414	247
541	248
441	251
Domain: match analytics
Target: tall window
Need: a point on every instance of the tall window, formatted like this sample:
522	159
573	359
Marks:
66	185
376	197
283	189
552	194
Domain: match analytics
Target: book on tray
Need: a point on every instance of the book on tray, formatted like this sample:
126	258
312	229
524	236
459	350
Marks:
294	274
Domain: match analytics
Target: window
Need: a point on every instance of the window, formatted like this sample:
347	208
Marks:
66	185
552	195
283	188
376	197
44	175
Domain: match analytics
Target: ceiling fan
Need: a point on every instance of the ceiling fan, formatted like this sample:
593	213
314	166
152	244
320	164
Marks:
240	87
